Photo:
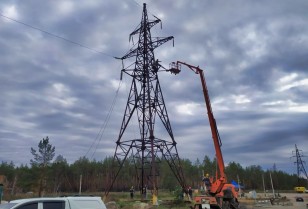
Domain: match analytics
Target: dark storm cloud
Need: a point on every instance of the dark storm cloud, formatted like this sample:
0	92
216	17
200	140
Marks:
253	53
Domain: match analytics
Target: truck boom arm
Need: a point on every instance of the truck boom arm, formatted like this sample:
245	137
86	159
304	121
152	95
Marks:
217	185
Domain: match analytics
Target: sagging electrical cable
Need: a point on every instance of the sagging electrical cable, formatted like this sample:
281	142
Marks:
100	134
56	36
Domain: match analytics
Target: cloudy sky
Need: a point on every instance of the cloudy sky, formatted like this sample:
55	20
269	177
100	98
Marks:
254	55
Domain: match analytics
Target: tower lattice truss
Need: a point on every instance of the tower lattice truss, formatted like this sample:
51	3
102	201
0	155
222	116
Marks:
300	165
146	104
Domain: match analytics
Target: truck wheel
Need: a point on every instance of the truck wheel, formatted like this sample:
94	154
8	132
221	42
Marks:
226	205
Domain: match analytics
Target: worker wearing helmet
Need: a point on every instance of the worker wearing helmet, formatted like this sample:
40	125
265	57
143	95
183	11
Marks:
207	183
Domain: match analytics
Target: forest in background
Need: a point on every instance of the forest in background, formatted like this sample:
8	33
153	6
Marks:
48	176
61	177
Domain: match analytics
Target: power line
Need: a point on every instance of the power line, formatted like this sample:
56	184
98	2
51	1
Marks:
137	3
54	35
100	134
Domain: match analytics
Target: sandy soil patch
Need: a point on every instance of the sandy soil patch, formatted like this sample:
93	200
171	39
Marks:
288	203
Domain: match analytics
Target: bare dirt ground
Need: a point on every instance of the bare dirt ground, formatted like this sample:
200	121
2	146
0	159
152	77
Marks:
289	202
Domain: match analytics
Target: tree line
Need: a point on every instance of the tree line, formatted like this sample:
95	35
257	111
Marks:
59	177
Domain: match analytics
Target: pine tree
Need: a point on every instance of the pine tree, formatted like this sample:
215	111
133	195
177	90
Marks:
42	159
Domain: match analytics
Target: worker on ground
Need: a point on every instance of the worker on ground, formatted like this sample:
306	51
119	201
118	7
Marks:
185	193
207	183
132	191
154	196
189	193
145	192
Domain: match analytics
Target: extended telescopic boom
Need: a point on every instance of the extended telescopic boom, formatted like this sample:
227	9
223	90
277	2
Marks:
221	194
176	68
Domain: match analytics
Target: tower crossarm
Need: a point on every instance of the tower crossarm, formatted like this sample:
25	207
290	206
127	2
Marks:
158	41
131	53
150	24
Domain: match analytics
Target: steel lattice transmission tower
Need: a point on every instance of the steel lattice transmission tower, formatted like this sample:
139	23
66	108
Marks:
146	100
300	165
